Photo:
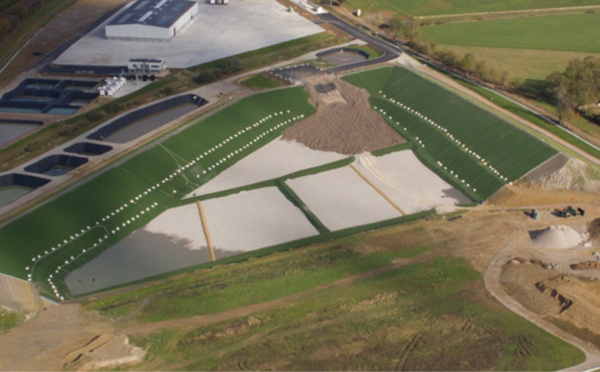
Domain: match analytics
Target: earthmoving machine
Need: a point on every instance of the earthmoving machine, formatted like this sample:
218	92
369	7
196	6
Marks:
569	211
534	214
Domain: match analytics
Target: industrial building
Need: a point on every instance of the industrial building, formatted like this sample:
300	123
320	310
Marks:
147	66
152	20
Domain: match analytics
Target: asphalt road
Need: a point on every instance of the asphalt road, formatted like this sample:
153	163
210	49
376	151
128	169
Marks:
390	52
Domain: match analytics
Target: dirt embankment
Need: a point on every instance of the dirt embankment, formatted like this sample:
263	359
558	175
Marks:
564	173
65	337
546	290
344	122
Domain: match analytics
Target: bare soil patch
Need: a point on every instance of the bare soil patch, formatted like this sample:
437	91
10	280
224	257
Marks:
587	265
525	194
61	337
567	298
344	122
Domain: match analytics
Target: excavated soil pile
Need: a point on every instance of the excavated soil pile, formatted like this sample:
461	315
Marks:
563	173
588	265
344	122
594	229
576	300
557	237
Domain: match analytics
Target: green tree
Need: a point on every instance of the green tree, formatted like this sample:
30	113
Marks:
205	77
577	86
411	30
448	57
468	63
482	70
395	27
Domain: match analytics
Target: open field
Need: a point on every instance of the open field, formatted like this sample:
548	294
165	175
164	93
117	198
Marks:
517	61
88	219
560	33
375	301
433	7
474	150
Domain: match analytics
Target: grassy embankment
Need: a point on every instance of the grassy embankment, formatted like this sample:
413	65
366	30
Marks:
261	81
509	150
75	221
429	311
530	117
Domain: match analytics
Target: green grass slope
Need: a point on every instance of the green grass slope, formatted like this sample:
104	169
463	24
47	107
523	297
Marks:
562	33
70	230
465	139
430	313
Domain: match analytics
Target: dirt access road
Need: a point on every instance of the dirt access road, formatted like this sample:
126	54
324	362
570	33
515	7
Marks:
491	277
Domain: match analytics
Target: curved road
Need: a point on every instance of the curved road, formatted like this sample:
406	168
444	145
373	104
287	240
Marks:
390	52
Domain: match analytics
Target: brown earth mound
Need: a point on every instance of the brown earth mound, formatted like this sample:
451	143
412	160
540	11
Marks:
576	299
344	123
564	173
594	229
588	265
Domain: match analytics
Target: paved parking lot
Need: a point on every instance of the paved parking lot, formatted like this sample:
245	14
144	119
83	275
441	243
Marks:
218	31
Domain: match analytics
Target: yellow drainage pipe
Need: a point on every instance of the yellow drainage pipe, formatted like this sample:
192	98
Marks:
379	191
211	250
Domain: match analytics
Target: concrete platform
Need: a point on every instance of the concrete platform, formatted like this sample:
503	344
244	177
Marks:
217	32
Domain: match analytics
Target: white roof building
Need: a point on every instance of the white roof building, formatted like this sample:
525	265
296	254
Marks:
152	20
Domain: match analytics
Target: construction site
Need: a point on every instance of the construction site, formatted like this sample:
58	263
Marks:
341	220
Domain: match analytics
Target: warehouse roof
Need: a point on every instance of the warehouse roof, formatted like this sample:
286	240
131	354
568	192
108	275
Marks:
159	13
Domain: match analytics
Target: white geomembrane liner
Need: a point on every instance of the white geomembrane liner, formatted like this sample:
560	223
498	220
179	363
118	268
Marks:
254	219
275	159
340	198
182	223
407	182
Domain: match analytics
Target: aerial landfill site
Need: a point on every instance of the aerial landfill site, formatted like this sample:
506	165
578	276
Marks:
297	185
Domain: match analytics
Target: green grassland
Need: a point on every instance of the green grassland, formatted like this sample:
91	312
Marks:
561	32
433	7
430	312
508	149
77	220
261	81
517	62
9	319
